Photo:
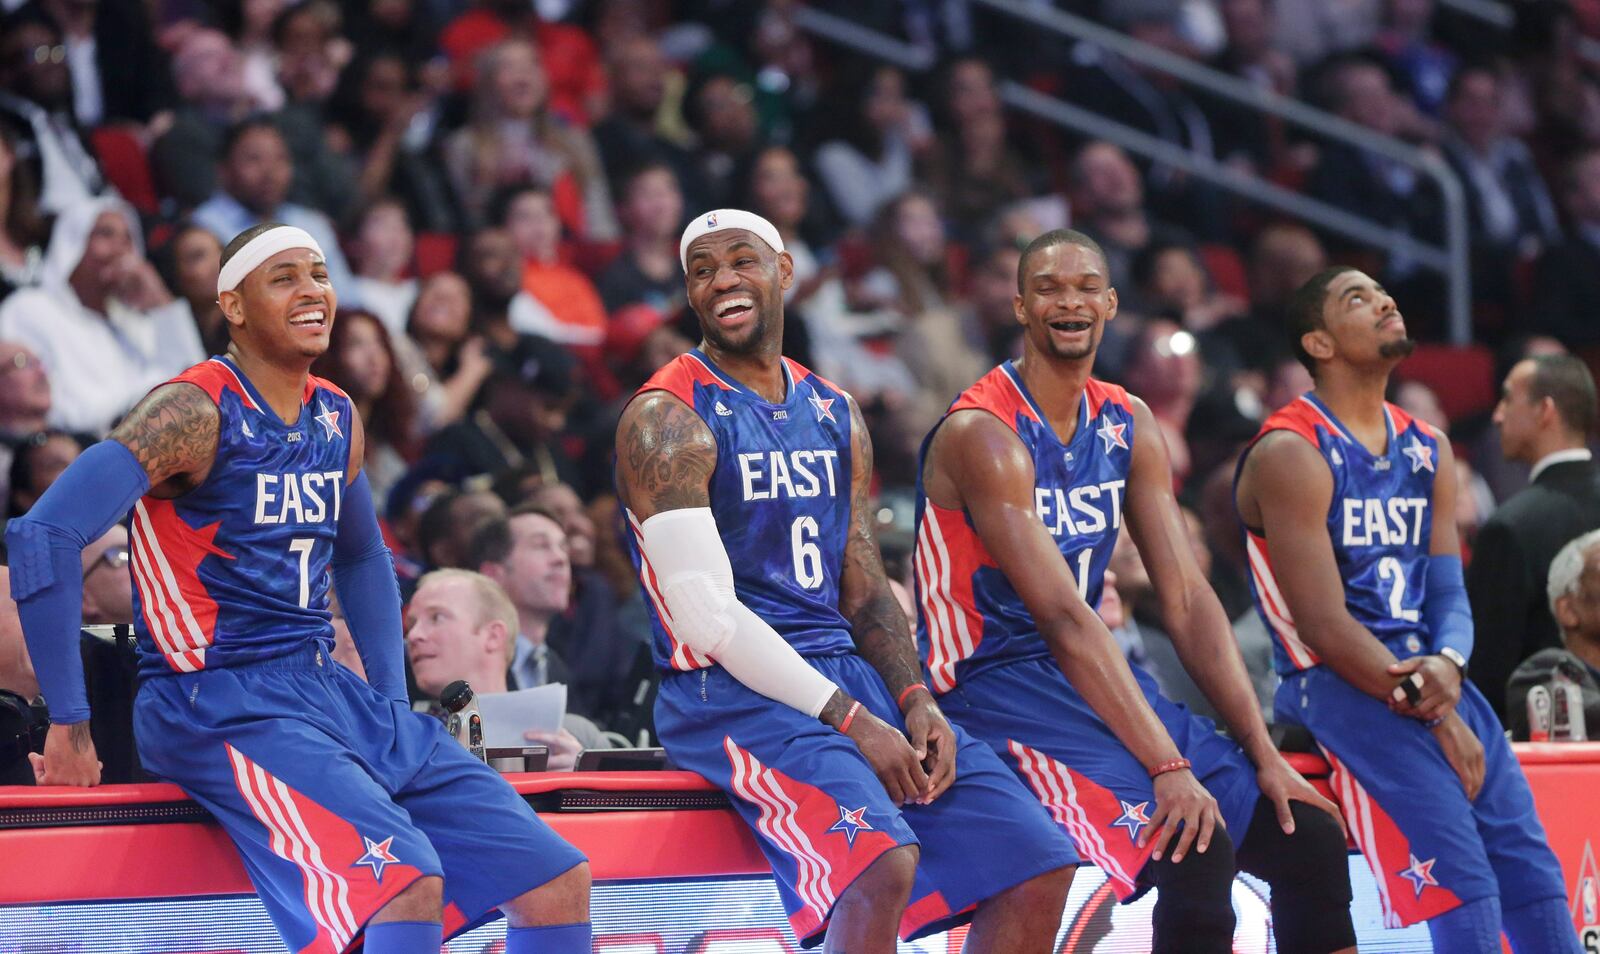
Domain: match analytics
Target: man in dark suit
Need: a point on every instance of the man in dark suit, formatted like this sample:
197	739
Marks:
1546	412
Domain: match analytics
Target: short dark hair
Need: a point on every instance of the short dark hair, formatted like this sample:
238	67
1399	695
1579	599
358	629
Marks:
1304	311
1053	238
491	543
243	238
242	128
1566	381
501	200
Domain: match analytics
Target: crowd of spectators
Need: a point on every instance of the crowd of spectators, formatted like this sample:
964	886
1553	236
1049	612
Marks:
499	186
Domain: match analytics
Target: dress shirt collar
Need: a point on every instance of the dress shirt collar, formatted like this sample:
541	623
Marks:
1559	457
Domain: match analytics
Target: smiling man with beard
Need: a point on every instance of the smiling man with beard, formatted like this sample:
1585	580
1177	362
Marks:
1024	486
789	675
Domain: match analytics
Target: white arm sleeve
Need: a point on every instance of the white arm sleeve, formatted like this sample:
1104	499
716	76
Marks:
691	565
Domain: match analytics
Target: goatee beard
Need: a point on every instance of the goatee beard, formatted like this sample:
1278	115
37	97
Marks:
1397	349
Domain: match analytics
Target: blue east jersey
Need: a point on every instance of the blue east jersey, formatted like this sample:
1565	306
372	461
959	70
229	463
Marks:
237	569
781	497
971	617
1380	522
1429	848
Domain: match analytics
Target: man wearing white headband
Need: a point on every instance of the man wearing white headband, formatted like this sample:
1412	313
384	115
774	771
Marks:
790	675
244	477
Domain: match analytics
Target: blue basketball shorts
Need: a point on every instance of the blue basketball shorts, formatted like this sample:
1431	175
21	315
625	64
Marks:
1429	848
822	816
339	799
1101	796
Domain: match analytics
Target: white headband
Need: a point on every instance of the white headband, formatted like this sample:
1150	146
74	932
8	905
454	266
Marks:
721	219
261	248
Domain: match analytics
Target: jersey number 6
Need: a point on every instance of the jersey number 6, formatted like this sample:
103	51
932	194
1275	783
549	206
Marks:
807	558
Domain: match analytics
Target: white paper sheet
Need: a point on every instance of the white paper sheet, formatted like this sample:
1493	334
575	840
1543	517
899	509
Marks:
507	715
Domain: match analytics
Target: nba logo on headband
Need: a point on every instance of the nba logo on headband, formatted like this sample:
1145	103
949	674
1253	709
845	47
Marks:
711	220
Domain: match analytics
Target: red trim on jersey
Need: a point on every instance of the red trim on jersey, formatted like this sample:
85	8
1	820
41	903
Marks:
1279	619
1405	900
679	377
166	554
214	376
1301	417
1086	811
1098	393
340	892
928	909
795	818
996	393
313	382
684	659
800	372
948	553
1402	421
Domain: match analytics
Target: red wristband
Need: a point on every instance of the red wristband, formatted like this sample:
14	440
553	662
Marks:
901	702
1170	765
850	716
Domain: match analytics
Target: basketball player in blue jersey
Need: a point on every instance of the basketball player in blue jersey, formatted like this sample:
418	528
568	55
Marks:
1024	486
359	821
1349	508
791	680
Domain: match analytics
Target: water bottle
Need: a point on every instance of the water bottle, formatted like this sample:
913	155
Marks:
465	721
1538	714
1566	706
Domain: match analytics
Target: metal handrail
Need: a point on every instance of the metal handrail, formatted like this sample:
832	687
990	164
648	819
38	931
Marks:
1456	269
848	33
1297	204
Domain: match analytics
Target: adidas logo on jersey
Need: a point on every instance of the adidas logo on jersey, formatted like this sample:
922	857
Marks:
722	410
245	426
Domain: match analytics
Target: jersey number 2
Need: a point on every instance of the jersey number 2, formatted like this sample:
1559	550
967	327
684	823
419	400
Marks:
1389	568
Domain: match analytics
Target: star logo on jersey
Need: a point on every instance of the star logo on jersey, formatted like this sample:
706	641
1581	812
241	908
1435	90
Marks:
377	857
1419	873
329	420
823	406
1133	818
1421	455
1112	435
851	823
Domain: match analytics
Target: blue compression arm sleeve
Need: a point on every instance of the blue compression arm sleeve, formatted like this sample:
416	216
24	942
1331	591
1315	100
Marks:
1445	606
363	576
46	551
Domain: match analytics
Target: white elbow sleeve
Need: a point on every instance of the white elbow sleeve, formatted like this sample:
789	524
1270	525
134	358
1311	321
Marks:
696	581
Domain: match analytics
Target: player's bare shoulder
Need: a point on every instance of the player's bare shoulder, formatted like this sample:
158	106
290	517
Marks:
1286	468
173	434
665	455
973	451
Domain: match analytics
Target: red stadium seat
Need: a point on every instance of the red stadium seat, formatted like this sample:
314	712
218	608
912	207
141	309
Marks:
436	252
1226	270
123	158
1463	378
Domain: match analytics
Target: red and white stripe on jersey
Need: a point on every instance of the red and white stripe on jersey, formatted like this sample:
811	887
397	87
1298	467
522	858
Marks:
947	554
1387	851
684	659
1272	601
327	891
165	558
1083	808
791	812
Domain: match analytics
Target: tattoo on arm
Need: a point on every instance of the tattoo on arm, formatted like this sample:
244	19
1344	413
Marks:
877	623
173	433
665	456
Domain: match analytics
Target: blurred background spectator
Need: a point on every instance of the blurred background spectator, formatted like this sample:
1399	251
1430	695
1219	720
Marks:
500	187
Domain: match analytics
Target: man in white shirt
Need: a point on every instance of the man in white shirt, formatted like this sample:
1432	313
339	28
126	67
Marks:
1546	412
101	321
